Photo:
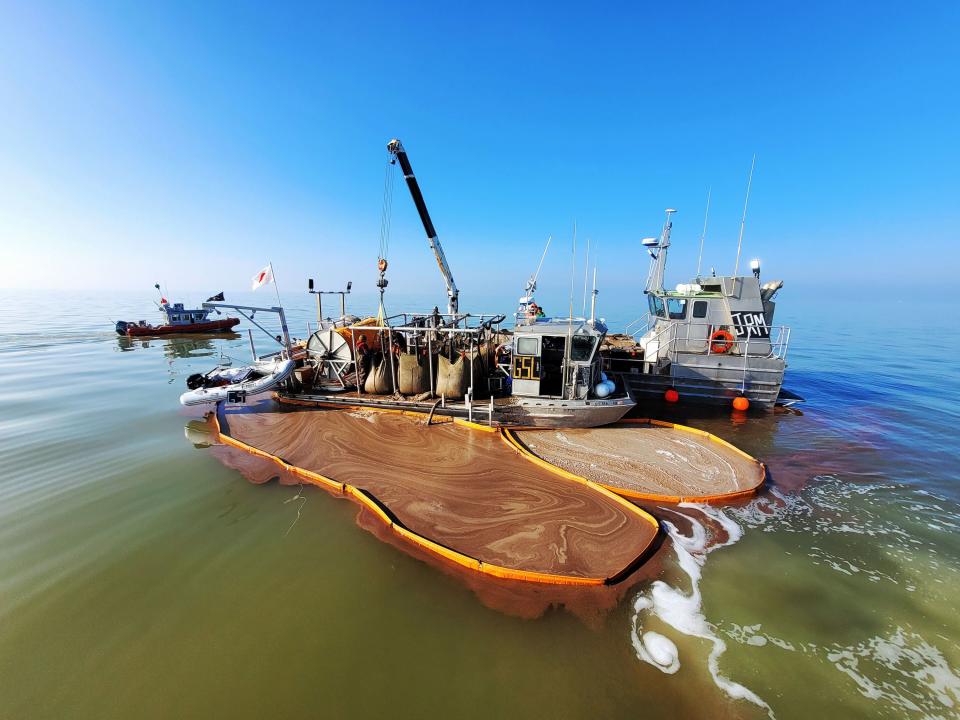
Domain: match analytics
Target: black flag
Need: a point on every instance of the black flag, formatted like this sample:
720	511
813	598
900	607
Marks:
216	298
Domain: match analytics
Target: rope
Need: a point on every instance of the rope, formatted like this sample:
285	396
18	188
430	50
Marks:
303	500
387	211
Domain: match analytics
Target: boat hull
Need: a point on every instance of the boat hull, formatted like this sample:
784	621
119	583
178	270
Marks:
704	380
547	413
212	326
519	412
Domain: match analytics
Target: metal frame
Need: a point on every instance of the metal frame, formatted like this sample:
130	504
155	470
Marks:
487	322
253	311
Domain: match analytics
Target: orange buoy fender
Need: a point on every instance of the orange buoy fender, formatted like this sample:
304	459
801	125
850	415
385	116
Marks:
741	403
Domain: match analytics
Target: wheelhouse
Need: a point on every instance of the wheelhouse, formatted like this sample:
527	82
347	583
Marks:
715	315
556	358
178	315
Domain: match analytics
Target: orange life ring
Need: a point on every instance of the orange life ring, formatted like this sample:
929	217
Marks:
382	265
721	341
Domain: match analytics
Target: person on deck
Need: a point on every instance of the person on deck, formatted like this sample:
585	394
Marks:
534	311
363	358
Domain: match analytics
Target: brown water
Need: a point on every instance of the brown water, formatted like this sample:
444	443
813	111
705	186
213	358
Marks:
140	576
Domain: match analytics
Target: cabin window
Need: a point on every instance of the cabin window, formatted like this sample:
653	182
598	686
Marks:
527	346
677	308
197	317
700	309
582	349
656	306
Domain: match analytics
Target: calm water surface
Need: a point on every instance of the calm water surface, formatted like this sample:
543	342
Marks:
142	577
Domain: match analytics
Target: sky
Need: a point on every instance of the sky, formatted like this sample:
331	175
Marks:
193	143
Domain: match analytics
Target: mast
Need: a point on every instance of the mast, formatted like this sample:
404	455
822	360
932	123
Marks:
655	281
395	148
531	286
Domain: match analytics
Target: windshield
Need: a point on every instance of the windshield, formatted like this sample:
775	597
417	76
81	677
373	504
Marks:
582	349
677	308
527	346
656	306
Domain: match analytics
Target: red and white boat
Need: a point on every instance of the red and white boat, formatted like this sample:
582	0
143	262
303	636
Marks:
179	321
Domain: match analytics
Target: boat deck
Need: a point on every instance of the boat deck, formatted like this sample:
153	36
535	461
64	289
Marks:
649	460
458	490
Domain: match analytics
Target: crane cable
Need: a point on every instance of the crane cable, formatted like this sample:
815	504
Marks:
386	218
386	215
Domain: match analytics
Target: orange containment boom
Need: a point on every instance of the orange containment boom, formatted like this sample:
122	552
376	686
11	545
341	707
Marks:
489	503
678	464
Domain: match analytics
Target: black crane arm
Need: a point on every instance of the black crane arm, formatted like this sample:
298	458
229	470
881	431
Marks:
395	148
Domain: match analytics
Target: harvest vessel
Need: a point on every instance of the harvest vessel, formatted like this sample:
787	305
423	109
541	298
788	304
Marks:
545	373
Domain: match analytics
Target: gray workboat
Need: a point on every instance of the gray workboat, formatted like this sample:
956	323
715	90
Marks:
709	341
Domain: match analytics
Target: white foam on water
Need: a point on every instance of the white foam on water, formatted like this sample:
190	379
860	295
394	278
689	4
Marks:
684	611
656	649
900	669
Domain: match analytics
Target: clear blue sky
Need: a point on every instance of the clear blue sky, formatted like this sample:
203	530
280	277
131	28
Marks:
193	142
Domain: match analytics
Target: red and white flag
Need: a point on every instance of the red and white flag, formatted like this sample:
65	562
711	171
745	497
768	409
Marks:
264	277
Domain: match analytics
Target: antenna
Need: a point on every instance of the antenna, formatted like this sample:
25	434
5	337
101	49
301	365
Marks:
706	215
593	298
573	272
586	272
532	282
743	220
573	267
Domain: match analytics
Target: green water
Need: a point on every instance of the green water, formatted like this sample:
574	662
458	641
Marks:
141	577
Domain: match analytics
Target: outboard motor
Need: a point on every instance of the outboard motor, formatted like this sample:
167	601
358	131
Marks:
121	327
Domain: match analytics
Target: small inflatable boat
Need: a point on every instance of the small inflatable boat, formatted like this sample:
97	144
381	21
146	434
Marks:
236	384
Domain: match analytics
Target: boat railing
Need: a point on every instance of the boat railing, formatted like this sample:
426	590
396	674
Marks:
641	329
440	320
695	339
406	321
